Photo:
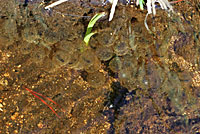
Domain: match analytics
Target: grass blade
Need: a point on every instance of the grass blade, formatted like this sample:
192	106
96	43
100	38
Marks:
88	33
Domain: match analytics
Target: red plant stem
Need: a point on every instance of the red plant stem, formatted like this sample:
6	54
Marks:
34	93
176	1
46	98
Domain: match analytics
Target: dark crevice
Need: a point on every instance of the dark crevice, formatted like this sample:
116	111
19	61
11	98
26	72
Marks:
115	100
25	3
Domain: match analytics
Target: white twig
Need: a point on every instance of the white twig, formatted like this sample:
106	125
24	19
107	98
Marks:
112	11
55	4
145	23
137	2
164	4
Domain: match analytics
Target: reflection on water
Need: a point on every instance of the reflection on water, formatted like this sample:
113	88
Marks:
141	81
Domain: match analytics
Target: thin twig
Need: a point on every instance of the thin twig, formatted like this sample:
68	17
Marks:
112	11
145	23
55	4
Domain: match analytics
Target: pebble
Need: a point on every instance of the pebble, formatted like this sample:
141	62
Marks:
3	82
13	117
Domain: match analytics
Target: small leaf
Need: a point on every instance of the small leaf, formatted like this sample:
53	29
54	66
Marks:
88	33
141	2
93	21
87	38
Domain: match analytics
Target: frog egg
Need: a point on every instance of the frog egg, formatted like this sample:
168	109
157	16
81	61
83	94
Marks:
74	60
68	46
61	58
5	41
121	48
50	37
26	48
96	79
104	53
129	62
124	74
31	35
39	55
115	64
87	58
93	67
105	39
127	78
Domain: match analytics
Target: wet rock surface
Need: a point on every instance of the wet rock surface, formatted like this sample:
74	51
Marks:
126	81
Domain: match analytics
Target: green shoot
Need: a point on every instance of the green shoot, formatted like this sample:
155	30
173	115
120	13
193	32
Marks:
89	32
141	3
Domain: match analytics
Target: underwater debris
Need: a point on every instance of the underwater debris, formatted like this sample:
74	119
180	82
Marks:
151	6
112	11
55	4
164	4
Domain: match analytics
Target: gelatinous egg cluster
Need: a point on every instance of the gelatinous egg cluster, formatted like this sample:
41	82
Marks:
53	42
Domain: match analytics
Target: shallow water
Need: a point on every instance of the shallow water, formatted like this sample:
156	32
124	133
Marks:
126	81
